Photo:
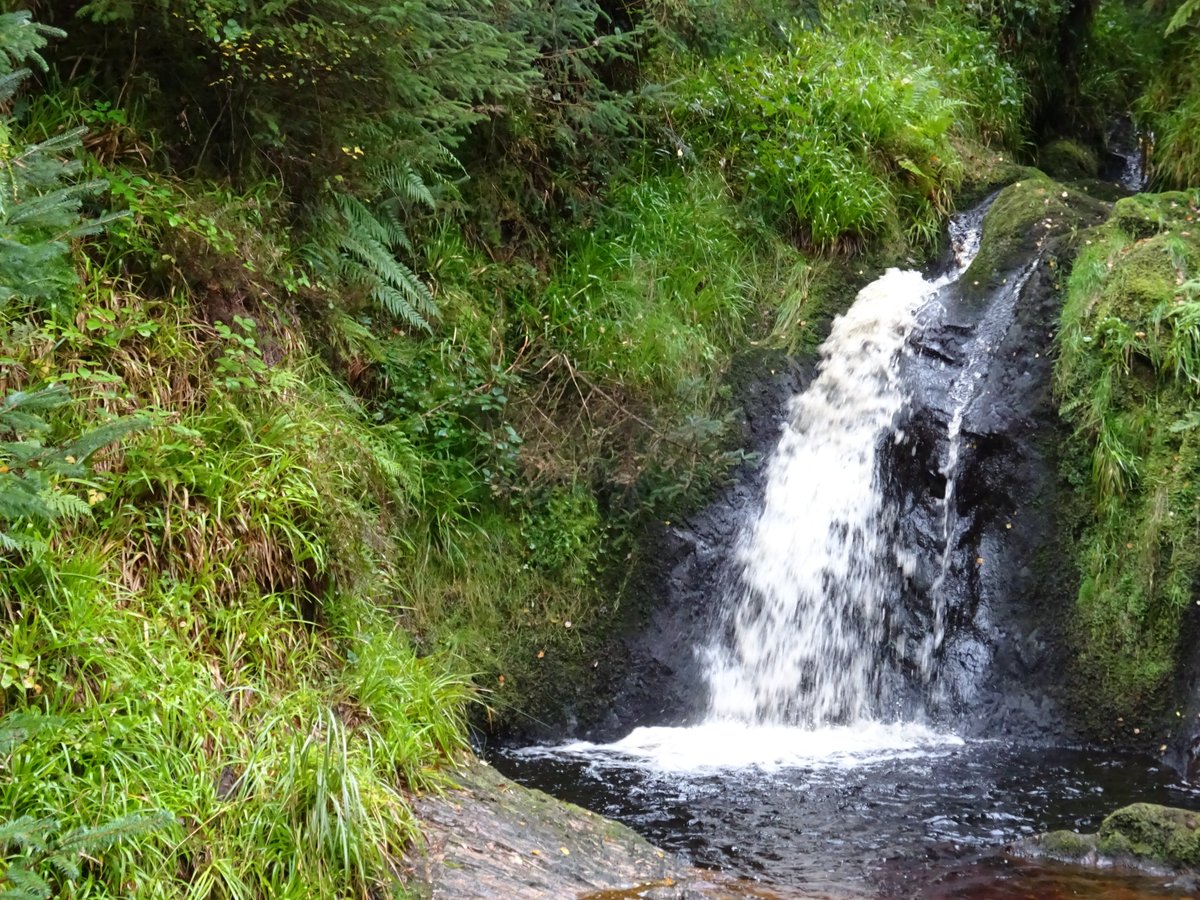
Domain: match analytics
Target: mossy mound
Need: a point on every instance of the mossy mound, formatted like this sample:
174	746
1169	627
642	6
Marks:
1128	376
1140	836
1024	216
1067	160
1159	834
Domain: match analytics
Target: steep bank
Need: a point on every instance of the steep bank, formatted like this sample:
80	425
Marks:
1126	377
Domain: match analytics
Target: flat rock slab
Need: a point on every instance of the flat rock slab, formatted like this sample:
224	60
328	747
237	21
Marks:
494	838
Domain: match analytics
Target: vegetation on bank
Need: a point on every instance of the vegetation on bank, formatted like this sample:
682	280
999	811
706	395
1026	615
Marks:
345	353
1128	373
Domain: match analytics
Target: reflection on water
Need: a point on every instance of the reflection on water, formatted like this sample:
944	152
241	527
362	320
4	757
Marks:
929	825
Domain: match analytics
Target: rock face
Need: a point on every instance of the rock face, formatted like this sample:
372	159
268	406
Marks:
690	566
1143	836
492	838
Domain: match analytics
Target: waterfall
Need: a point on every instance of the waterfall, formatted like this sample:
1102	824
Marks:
799	669
817	566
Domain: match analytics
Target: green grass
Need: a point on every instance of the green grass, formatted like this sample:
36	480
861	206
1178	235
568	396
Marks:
217	640
1128	375
849	135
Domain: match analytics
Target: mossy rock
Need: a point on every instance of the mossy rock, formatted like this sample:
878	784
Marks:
1153	834
1067	160
985	170
1063	846
1124	373
1024	216
1144	215
1142	836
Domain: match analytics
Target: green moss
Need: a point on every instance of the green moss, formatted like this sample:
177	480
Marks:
1067	846
1128	375
1154	834
1142	215
1023	217
1067	160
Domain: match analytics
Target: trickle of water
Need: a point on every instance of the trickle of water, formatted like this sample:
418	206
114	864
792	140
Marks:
988	334
816	567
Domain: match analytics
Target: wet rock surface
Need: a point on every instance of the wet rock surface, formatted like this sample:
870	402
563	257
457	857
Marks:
492	838
692	563
1009	576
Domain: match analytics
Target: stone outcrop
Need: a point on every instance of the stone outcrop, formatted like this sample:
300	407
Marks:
490	837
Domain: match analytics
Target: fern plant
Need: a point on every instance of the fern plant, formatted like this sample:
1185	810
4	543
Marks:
36	854
34	476
39	204
360	241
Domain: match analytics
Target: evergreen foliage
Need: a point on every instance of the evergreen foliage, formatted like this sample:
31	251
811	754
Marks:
34	477
39	206
359	244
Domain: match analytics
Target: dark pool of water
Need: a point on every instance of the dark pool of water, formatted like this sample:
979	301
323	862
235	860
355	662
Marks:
932	826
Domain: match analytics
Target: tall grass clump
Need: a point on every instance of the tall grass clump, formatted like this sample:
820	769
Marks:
1129	378
848	134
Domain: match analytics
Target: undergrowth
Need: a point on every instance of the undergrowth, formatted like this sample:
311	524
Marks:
347	356
1128	373
847	134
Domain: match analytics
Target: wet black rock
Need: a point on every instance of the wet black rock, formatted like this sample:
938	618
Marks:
685	578
1008	581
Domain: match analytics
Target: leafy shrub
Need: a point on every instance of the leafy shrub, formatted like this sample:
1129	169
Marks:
561	533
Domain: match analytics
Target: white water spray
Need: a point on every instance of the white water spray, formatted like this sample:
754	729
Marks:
817	565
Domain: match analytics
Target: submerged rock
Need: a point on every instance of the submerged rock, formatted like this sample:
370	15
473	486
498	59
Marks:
491	837
1143	836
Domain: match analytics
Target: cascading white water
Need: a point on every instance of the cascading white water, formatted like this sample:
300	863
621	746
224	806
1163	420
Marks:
795	671
817	564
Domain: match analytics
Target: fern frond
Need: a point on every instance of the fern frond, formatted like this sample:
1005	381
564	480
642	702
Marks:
87	444
25	884
25	833
401	180
97	838
63	505
1186	12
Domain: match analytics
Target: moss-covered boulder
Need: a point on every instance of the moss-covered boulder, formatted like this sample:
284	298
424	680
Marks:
1128	376
1024	217
1067	160
1141	836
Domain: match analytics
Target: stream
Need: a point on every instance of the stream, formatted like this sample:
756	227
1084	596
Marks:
843	748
